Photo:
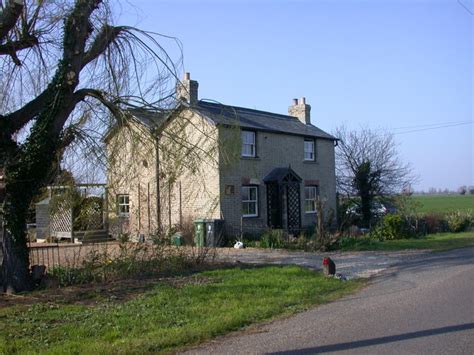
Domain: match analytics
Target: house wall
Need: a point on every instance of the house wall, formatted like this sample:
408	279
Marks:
131	153
189	169
273	151
170	181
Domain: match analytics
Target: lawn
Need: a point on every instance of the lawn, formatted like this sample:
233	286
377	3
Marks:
436	242
168	315
444	203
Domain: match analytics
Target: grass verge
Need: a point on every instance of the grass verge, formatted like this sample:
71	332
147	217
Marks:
168	316
436	242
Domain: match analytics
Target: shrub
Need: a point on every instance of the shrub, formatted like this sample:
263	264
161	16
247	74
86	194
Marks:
88	213
249	239
273	238
392	226
459	221
434	223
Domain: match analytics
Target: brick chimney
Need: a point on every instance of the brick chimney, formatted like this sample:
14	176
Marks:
300	110
187	90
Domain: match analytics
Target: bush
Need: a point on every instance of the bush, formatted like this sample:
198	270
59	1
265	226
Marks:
434	223
88	213
273	238
459	221
393	226
249	239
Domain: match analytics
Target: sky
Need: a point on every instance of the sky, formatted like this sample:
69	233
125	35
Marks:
400	66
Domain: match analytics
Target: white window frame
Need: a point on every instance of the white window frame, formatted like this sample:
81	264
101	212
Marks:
311	199
252	144
250	187
123	204
309	154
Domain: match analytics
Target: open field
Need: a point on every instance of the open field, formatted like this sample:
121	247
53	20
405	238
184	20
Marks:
436	242
444	203
165	315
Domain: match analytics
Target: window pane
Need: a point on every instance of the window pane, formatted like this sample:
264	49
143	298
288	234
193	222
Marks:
245	193
248	137
252	208
248	143
309	150
253	193
249	200
311	193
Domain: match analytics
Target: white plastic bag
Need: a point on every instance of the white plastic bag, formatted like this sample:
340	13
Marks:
239	245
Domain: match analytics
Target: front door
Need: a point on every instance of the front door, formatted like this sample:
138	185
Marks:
283	206
274	206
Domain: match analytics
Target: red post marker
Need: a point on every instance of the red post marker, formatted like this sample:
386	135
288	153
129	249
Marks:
329	267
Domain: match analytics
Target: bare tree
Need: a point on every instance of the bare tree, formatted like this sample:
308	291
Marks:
368	165
64	68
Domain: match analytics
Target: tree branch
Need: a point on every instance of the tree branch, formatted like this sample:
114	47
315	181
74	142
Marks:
9	17
106	36
22	116
10	48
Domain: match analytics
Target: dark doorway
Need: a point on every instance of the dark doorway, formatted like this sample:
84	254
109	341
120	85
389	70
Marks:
283	199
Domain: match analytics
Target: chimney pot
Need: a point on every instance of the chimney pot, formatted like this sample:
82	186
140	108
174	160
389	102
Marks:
187	90
301	110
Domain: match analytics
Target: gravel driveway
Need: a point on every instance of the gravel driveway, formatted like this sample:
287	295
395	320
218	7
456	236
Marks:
351	264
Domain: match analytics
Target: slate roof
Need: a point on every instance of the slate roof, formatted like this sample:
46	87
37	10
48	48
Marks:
258	120
220	114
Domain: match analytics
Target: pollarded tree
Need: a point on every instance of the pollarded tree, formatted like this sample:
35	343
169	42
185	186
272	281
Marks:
63	65
368	165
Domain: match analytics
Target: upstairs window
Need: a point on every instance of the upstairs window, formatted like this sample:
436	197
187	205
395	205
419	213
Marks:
248	144
310	195
249	201
309	149
123	202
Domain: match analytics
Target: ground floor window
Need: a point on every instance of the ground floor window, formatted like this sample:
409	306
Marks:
310	195
123	202
249	201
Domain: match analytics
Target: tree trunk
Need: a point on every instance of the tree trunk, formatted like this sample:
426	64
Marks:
365	207
15	266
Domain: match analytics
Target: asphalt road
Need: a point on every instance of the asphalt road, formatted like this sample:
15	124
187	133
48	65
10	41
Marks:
423	306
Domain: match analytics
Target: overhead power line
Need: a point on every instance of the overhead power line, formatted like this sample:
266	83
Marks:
422	128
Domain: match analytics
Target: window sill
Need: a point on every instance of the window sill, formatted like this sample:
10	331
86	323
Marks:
250	217
310	162
311	212
249	158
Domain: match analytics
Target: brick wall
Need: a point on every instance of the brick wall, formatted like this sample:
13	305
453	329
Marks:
273	151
